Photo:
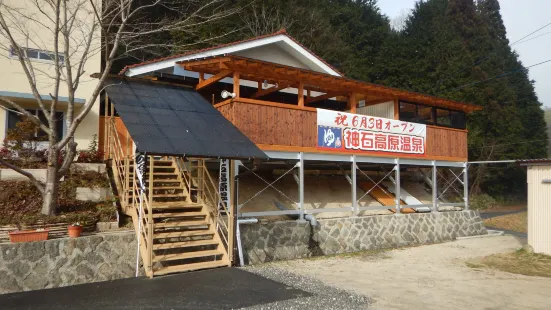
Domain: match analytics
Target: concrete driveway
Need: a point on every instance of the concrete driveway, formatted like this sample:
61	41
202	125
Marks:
431	277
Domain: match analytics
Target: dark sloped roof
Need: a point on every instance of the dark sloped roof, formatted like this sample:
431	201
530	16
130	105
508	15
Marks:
172	120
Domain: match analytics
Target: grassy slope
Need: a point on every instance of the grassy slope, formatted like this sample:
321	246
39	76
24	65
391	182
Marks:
519	262
515	222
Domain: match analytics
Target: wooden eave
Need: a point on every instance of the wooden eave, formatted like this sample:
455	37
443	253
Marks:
258	70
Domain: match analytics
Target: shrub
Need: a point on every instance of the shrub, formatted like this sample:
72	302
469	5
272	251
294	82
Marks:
23	140
482	202
92	154
20	201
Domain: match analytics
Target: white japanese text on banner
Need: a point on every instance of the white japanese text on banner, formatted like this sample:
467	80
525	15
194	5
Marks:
340	131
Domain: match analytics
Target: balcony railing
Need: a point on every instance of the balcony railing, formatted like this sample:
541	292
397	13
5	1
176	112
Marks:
282	127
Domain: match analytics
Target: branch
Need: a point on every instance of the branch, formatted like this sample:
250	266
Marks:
39	185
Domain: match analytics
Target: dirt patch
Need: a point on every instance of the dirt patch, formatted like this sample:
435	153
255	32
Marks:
515	222
519	262
432	277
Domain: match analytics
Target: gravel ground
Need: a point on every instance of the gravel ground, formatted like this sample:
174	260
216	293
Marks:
324	297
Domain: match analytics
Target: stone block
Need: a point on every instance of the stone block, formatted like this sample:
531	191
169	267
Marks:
93	194
62	262
107	226
11	175
97	167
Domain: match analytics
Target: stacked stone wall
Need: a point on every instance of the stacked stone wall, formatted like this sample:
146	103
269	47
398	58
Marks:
291	239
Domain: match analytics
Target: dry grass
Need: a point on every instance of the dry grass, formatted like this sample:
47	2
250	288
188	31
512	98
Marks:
519	262
515	222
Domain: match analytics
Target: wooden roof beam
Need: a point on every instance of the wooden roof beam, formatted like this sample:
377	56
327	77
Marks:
377	101
273	89
213	79
322	97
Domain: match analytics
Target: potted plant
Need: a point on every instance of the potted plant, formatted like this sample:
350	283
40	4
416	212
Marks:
21	235
75	230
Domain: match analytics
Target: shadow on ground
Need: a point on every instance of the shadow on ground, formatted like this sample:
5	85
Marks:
225	288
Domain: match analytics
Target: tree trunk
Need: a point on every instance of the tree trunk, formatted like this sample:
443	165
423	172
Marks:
51	186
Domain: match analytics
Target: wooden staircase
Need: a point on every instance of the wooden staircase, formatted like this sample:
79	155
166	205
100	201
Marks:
176	218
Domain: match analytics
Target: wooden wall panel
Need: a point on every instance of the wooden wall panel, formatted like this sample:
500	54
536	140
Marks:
275	125
447	142
265	124
127	144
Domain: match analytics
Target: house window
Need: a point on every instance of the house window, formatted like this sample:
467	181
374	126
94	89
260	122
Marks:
31	53
14	118
424	114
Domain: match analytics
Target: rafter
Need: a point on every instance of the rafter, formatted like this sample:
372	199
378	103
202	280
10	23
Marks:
323	97
264	92
213	79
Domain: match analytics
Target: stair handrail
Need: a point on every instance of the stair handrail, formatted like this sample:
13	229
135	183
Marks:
210	194
214	196
121	163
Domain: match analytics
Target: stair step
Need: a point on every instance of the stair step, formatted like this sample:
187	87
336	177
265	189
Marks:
166	187
180	224
190	267
159	173
168	195
177	234
169	257
175	205
179	214
164	181
183	244
159	188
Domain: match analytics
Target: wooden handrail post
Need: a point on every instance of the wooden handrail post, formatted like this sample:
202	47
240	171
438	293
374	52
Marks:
236	85
150	214
126	181
300	94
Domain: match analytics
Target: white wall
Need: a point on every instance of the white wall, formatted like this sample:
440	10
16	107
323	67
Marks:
272	53
14	81
539	208
385	110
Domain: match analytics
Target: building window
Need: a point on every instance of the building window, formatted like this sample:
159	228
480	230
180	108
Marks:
424	114
31	53
14	118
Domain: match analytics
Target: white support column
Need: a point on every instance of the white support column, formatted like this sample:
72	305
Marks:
354	196
397	190
466	186
301	185
434	188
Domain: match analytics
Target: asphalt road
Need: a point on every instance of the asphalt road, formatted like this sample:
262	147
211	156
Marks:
224	288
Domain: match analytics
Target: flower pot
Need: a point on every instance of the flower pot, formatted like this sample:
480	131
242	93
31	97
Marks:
28	235
74	231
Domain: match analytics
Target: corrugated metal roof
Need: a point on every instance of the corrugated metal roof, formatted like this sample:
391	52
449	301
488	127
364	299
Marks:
534	161
165	119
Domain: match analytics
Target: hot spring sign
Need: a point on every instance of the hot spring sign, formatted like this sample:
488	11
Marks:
340	131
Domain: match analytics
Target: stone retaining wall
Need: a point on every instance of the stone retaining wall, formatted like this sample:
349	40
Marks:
291	239
62	262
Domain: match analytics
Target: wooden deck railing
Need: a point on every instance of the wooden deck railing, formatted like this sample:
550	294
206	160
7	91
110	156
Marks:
275	126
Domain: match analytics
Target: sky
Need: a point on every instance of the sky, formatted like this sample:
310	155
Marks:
520	18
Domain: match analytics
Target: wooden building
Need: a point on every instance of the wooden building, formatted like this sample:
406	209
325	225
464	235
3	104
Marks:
301	113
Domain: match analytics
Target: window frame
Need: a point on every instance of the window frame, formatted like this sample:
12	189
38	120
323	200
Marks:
36	112
49	59
434	118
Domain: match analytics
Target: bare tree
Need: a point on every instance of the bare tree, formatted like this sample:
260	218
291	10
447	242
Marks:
75	31
399	22
263	18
